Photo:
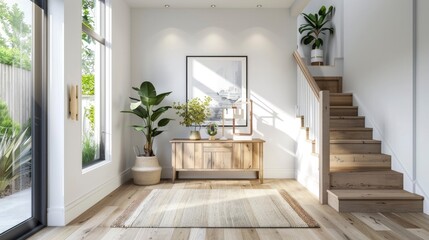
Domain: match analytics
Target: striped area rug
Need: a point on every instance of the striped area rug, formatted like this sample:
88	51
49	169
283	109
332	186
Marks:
215	208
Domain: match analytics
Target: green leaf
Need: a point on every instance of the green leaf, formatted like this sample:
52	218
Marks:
156	133
156	113
308	39
139	128
161	97
147	90
163	122
135	105
140	112
322	11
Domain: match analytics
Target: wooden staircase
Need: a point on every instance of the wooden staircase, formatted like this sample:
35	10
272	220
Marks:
361	179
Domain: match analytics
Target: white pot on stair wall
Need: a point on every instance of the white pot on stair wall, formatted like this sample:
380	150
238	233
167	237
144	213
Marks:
146	171
316	57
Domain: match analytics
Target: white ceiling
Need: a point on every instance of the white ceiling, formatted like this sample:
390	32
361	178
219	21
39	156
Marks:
208	3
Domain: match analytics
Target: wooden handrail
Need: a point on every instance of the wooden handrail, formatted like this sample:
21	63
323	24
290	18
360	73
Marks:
310	79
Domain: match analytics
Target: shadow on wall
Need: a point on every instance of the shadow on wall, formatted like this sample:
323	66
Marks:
278	129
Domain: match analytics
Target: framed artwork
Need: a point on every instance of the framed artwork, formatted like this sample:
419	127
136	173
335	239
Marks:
224	79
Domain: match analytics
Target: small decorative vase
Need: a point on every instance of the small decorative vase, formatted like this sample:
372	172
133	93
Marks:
212	130
195	135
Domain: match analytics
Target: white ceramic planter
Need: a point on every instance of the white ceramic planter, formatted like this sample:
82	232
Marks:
146	171
316	57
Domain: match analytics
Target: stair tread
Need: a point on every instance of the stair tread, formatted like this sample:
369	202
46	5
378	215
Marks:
354	141
365	172
350	129
341	94
373	194
368	155
347	117
339	107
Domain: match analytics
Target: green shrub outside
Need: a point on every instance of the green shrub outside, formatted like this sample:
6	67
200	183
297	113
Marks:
7	126
14	57
89	149
88	82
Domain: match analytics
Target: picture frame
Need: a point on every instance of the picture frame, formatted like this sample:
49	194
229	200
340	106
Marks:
224	79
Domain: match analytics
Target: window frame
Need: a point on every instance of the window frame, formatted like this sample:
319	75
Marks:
39	196
102	98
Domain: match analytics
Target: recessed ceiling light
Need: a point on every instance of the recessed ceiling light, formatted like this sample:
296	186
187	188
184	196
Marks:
213	6
166	5
259	6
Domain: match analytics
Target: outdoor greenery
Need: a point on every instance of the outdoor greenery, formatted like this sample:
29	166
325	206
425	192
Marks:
15	157
15	37
194	112
144	109
89	149
316	24
88	89
90	114
15	50
88	84
7	126
88	55
89	146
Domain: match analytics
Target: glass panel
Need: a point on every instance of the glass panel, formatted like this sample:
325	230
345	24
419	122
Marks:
91	56
16	99
91	15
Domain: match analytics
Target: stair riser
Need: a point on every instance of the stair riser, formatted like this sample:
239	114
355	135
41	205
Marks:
346	123
332	84
362	180
350	148
341	100
344	111
344	134
360	162
399	206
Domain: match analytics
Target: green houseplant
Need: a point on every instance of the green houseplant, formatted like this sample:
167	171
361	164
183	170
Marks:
316	25
147	170
193	113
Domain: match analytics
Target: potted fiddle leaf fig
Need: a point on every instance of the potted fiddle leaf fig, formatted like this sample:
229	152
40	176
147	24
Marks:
316	25
147	170
193	113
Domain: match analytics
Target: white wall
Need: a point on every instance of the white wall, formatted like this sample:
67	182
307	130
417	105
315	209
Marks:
378	69
162	38
71	191
333	46
422	100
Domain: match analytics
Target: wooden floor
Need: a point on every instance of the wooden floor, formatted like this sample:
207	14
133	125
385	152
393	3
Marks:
95	223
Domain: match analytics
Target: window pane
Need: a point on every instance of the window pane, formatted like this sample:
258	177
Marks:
91	94
16	99
91	15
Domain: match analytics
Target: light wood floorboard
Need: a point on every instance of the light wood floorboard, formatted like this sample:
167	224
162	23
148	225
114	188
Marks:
95	223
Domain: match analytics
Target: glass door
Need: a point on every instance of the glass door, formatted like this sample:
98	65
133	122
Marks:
22	118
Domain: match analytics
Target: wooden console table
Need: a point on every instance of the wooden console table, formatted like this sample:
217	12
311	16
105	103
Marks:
217	155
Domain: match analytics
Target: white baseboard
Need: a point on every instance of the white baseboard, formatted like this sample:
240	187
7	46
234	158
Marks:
281	173
56	217
308	181
80	205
